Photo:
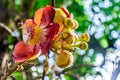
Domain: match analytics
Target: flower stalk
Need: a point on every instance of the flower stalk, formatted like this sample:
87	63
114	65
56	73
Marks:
53	3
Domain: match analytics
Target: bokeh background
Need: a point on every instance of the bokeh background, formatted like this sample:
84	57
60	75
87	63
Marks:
99	18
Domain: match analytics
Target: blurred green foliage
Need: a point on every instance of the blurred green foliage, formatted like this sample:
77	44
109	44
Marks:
17	75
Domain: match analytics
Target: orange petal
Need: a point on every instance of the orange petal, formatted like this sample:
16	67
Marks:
38	16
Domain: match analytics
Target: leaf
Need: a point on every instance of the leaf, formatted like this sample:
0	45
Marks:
17	75
103	42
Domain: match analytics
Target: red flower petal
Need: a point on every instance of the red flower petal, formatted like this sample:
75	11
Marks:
52	30
23	52
44	16
44	47
48	15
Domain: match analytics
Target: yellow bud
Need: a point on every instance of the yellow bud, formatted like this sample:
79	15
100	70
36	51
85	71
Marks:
46	65
64	59
56	44
64	40
68	23
68	38
84	37
83	45
75	25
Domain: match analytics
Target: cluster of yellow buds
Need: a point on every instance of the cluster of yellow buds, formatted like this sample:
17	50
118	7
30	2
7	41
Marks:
67	40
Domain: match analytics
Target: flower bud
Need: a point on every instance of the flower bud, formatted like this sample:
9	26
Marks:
56	44
68	37
75	25
84	37
68	23
64	59
83	45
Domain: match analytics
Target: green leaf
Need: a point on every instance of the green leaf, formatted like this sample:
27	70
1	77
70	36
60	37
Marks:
17	75
103	42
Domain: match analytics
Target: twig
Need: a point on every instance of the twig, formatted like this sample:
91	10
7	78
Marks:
116	72
43	75
10	71
78	66
74	67
6	27
71	75
53	3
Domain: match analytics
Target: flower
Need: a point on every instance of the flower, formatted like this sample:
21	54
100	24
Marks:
37	35
51	29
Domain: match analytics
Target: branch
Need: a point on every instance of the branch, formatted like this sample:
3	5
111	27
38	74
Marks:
94	44
10	71
6	27
74	67
116	72
74	76
53	3
78	66
43	75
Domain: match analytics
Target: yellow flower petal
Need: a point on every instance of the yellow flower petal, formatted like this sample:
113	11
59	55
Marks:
59	18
